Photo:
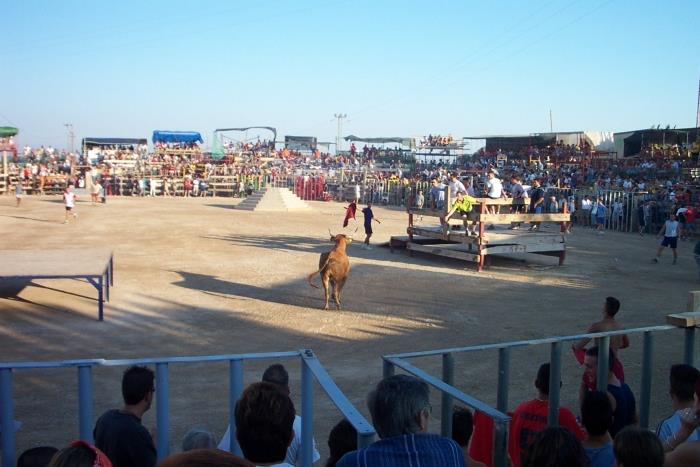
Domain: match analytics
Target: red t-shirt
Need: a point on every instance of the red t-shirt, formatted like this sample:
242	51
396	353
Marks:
531	417
689	215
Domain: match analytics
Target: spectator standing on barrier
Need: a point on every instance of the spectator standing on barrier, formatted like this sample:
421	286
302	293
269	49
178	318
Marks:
119	433
637	447
671	230
682	381
264	424
494	190
619	393
455	185
530	417
400	410
277	375
517	192
369	217
597	417
462	429
536	203
464	206
437	194
69	202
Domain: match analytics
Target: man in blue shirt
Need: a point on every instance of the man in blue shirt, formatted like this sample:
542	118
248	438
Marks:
369	216
400	410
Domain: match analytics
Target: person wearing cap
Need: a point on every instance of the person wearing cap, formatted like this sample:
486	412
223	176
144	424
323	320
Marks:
464	206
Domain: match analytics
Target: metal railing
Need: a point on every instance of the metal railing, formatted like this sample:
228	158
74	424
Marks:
311	369
498	414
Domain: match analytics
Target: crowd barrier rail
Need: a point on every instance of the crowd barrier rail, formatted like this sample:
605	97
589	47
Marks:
311	369
686	321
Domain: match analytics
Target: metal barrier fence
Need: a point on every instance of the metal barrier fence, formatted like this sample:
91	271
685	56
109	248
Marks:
311	368
499	414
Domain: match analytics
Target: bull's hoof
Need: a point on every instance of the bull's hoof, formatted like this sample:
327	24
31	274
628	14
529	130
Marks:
325	307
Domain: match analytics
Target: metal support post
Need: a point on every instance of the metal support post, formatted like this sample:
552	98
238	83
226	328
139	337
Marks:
647	365
448	364
689	348
602	374
100	298
387	369
500	444
503	375
306	415
554	383
85	403
235	391
7	422
162	415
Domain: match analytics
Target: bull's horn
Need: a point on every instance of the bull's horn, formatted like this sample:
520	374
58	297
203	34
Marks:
331	233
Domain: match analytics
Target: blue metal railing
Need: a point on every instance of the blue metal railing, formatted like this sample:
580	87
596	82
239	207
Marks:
498	415
311	369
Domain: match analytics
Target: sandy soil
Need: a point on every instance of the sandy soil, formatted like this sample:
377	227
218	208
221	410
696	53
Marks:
197	277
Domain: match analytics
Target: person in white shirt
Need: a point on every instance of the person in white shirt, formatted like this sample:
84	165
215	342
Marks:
671	230
455	186
494	190
69	201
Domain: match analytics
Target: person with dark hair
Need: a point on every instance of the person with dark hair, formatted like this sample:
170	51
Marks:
620	341
555	447
36	457
277	374
80	454
597	417
341	440
264	424
462	429
400	410
682	381
198	438
530	417
119	433
619	393
637	447
205	458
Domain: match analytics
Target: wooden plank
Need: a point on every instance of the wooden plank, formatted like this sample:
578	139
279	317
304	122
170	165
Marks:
523	248
505	218
442	251
684	320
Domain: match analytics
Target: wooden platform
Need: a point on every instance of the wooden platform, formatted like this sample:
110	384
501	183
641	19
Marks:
96	266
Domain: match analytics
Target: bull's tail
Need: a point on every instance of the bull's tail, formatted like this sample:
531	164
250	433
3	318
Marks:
311	276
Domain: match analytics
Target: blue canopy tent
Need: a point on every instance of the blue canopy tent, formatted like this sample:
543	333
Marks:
161	136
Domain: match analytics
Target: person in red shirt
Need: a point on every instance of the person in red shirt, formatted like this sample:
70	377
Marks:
530	417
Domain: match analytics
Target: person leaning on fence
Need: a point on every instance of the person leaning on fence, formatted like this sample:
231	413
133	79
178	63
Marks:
682	381
464	207
530	417
517	192
400	411
536	203
119	433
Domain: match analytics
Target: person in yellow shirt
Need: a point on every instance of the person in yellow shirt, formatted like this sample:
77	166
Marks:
464	206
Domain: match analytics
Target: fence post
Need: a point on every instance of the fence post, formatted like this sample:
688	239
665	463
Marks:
503	376
647	363
500	444
387	368
447	377
234	393
306	413
602	373
162	415
689	347
7	422
554	383
85	403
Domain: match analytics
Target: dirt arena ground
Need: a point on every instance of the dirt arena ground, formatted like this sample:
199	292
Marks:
197	277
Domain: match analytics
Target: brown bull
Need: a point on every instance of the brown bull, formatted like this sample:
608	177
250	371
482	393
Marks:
333	268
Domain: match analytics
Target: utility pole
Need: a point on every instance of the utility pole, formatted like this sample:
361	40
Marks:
697	116
71	136
340	118
550	122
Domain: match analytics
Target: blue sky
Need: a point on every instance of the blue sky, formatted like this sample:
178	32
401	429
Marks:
403	68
